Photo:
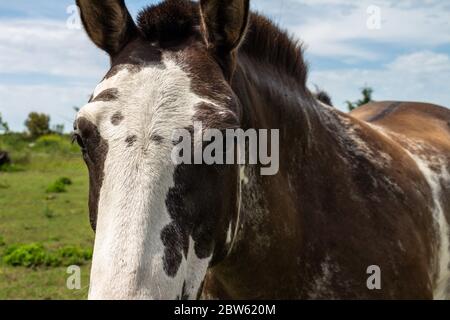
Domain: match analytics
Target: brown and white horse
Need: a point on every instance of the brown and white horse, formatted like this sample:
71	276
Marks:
353	191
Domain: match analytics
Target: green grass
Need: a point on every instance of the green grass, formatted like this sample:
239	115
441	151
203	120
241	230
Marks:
49	284
30	215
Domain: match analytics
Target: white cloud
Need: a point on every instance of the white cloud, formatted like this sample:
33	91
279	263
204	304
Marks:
17	101
421	62
421	76
338	28
332	29
47	47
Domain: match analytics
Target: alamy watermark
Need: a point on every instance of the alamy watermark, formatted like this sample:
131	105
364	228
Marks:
374	19
374	280
73	281
230	146
73	22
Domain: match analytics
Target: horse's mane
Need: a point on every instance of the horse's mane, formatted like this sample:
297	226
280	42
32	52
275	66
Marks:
174	20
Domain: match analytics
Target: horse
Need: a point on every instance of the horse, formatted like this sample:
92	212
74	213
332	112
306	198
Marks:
359	208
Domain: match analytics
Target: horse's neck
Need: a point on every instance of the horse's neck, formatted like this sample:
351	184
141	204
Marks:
270	223
272	100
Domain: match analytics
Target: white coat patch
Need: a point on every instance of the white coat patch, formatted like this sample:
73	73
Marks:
427	164
128	251
442	290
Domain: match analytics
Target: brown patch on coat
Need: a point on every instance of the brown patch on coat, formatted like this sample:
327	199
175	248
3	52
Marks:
156	138
131	140
107	95
96	149
117	118
198	211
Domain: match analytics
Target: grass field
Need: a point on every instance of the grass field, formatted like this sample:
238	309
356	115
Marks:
29	214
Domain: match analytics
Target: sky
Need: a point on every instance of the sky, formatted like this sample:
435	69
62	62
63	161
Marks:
401	48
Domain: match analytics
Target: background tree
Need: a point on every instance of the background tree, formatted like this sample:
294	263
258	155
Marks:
58	129
367	97
38	124
3	125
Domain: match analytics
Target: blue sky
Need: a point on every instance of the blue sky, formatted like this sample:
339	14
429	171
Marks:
49	67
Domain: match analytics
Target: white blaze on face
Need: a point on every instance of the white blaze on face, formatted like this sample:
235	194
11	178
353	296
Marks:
132	212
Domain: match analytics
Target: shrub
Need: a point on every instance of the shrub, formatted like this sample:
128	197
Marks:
74	255
49	141
66	181
14	141
367	97
30	255
56	187
2	241
35	255
22	158
11	168
4	127
56	144
59	186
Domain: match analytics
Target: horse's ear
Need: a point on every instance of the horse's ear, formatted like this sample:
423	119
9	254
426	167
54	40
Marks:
224	23
108	23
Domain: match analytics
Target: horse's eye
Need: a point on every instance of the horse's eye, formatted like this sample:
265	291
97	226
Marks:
77	137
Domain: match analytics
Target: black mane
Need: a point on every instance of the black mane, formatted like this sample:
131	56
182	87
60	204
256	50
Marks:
174	20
